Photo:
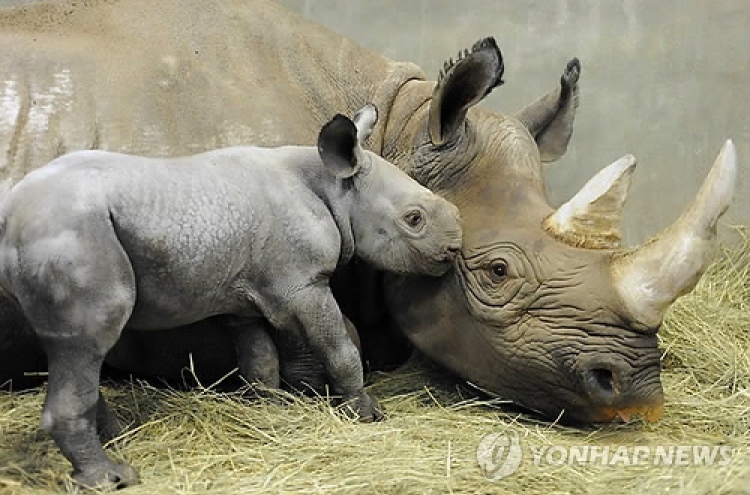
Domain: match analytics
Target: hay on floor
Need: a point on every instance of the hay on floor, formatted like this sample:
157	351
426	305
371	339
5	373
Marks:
205	441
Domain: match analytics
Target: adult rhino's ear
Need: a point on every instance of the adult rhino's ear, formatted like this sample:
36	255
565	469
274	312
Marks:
550	118
365	120
461	85
339	148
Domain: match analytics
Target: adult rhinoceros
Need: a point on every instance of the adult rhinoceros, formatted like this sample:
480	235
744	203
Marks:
543	306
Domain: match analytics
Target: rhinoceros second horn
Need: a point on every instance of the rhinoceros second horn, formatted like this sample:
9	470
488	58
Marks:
592	218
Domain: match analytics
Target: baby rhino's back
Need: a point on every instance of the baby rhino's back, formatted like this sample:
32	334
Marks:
201	232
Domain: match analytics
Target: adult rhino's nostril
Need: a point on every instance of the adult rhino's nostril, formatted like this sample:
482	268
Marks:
604	379
612	388
601	385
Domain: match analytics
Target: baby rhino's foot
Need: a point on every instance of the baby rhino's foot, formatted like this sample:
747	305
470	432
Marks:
363	407
107	476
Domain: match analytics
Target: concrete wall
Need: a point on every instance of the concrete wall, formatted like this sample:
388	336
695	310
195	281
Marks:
667	81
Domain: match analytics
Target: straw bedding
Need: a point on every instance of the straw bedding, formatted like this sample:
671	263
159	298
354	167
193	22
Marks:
204	440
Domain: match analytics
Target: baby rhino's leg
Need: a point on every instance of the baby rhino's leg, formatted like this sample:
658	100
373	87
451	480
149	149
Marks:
256	352
72	411
77	288
326	333
107	425
267	357
300	369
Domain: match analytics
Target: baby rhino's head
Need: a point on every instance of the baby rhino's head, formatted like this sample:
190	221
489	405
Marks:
398	224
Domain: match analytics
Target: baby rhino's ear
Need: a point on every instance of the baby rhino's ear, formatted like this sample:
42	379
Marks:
340	141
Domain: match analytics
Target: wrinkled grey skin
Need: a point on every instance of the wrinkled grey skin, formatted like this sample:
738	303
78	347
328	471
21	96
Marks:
537	318
96	241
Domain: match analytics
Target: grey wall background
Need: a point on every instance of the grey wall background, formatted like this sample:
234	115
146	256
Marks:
667	81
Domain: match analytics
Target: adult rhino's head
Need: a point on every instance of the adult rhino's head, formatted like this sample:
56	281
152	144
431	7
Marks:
398	225
545	307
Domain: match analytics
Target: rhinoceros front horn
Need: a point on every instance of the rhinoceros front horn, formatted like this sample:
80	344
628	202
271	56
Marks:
650	278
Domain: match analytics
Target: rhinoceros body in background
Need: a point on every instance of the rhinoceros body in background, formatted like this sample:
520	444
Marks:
96	240
544	307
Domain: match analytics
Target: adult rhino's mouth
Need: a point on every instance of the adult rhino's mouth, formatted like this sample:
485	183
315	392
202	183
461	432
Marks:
650	413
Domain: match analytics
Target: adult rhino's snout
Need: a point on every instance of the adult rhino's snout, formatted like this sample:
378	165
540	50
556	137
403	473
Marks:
617	390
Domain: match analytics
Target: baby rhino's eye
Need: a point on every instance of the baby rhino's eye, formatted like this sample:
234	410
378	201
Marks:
414	218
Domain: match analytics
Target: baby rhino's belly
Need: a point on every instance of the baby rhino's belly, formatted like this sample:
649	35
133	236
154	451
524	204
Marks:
161	305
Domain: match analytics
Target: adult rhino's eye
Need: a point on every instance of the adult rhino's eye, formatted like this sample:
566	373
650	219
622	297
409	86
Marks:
498	270
414	218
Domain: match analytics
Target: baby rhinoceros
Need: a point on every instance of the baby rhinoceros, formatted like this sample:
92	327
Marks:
97	241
